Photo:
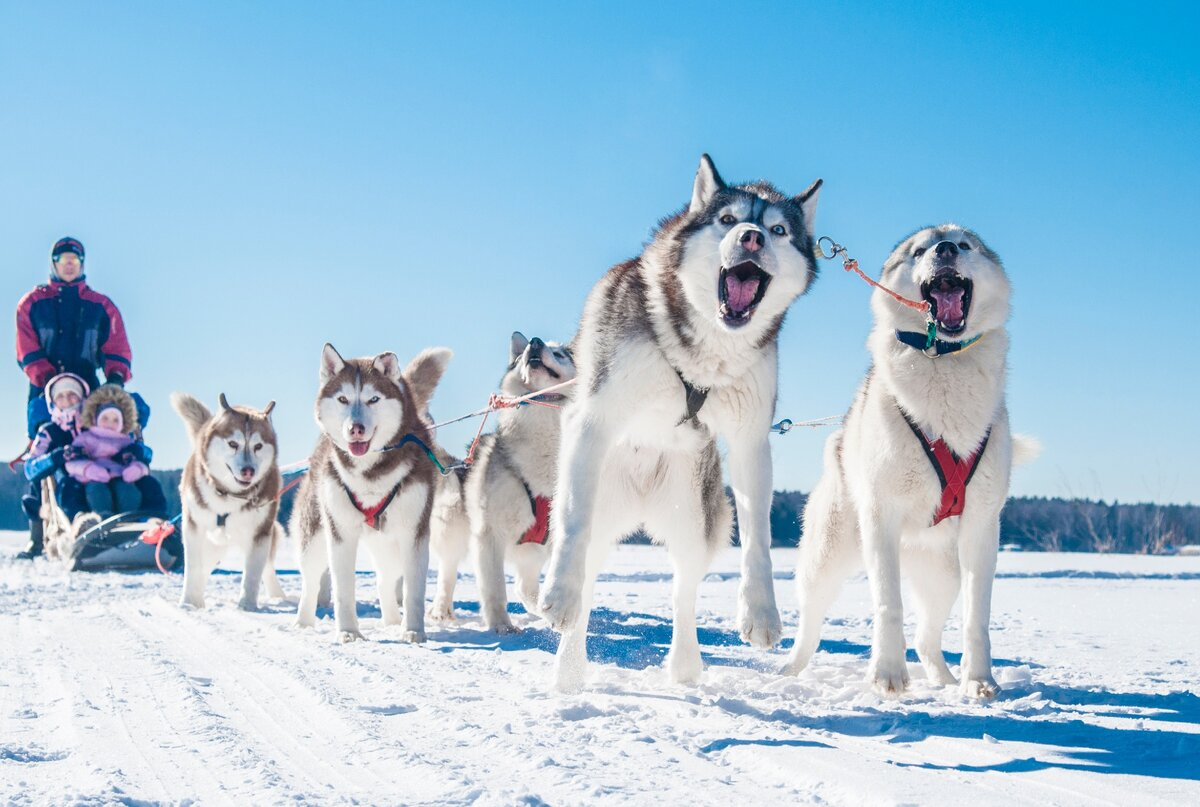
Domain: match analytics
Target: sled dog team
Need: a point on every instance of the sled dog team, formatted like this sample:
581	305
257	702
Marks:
675	349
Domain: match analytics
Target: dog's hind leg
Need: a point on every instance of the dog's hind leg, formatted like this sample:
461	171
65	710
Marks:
935	580
451	548
270	578
416	570
828	553
389	574
493	596
257	558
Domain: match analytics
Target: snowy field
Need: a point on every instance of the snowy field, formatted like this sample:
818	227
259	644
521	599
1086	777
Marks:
109	693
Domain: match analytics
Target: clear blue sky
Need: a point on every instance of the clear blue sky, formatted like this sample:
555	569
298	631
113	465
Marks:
252	180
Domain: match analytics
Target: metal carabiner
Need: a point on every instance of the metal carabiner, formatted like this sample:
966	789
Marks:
835	248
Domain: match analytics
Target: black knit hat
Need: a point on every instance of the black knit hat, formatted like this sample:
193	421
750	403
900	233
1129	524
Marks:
67	244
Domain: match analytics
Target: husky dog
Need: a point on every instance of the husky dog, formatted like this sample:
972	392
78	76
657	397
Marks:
370	479
676	348
230	496
509	487
920	469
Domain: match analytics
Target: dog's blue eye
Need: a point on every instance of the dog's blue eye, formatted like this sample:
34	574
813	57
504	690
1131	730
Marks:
233	444
918	252
373	400
779	230
728	219
964	246
342	399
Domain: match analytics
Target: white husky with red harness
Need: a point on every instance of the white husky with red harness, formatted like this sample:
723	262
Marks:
505	499
921	468
369	479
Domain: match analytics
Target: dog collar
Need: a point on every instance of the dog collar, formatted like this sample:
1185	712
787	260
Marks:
930	345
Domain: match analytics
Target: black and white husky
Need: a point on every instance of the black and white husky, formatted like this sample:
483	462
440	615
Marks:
369	479
507	493
675	349
920	470
230	496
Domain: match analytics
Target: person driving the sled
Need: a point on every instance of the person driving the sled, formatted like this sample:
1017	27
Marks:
64	326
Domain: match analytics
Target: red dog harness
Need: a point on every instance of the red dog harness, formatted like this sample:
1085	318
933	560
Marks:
538	533
953	473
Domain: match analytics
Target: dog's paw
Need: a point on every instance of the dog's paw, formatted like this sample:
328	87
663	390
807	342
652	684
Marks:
984	690
305	622
684	667
248	605
560	605
503	628
794	666
413	636
759	624
442	613
889	679
347	636
191	605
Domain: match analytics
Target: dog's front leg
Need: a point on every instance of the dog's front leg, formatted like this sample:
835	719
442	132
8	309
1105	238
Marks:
584	445
343	551
978	545
416	570
256	560
750	474
888	671
195	566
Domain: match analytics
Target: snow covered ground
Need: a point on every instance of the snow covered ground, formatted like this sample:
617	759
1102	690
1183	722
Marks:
109	693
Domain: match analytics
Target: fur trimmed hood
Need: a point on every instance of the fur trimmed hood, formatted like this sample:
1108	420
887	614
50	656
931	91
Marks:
110	394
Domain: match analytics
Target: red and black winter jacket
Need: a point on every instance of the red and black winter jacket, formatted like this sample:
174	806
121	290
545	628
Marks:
69	328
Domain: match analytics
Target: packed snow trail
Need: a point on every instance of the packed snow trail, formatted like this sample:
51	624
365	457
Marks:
109	692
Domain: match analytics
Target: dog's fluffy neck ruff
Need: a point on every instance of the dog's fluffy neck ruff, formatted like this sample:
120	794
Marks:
529	436
376	472
956	397
717	356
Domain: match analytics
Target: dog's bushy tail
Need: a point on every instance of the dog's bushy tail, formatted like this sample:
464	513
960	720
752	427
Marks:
195	414
1025	449
424	372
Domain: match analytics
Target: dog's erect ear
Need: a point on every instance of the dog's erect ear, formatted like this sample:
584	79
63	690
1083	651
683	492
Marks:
708	182
388	364
224	403
267	411
808	204
517	346
194	413
331	363
424	372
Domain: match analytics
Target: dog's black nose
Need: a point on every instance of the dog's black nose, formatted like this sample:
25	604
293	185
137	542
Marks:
751	240
946	249
535	346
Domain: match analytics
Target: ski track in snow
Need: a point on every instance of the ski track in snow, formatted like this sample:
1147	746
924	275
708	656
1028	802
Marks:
112	694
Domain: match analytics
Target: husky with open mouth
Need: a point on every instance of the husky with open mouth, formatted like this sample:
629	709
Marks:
369	479
229	493
508	490
920	470
677	348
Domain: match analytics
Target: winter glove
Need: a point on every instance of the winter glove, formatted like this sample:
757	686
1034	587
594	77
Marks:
134	452
115	378
69	453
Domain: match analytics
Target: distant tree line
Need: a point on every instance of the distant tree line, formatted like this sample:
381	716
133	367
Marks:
1031	523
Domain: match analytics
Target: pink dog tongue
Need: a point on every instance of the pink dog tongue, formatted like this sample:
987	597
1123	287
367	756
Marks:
739	294
949	305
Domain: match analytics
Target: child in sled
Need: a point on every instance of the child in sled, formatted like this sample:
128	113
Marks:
51	445
108	450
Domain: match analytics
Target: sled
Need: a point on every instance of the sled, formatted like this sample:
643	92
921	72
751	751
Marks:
94	544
